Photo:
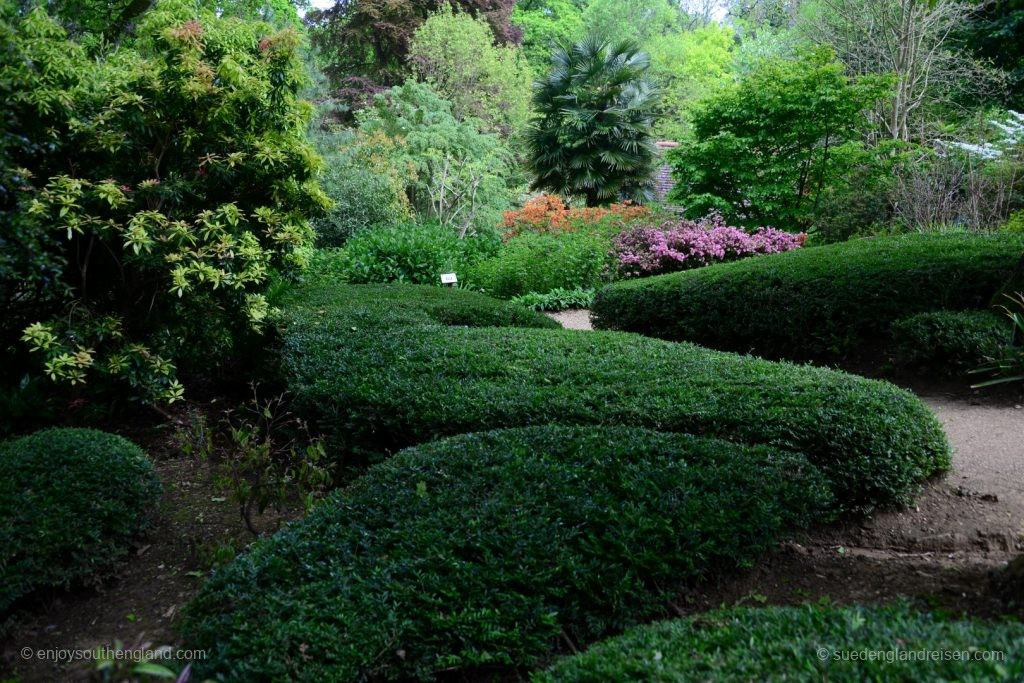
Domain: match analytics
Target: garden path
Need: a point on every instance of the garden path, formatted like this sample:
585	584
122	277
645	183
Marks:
963	527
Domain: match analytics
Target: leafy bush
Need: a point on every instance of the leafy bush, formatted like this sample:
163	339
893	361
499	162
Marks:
1009	365
378	369
556	299
534	262
548	213
685	244
766	149
814	302
951	340
416	253
456	54
786	643
1015	223
458	173
366	187
70	502
172	175
486	549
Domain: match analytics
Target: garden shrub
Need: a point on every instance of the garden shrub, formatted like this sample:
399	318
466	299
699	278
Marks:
684	244
556	300
416	253
458	175
814	302
489	550
70	502
951	340
540	263
170	175
548	213
786	643
366	187
377	373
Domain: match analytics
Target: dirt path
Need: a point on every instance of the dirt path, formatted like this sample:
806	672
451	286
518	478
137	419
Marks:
944	550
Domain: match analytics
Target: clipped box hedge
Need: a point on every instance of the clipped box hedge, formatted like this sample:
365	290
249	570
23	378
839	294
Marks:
816	302
70	502
953	341
892	643
379	369
488	551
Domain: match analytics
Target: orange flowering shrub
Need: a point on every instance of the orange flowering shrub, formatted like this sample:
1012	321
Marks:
548	213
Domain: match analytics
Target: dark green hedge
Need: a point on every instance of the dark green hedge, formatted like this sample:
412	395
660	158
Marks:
814	302
70	502
375	384
399	306
953	341
803	644
488	550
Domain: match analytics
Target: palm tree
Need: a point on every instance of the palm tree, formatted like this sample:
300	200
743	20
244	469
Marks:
592	135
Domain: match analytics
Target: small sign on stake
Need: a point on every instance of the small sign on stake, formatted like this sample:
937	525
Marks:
449	279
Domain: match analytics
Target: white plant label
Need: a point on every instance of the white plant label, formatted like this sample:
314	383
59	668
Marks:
448	279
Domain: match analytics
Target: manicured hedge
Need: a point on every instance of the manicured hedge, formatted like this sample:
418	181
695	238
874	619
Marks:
401	306
491	549
953	341
803	644
815	302
70	502
375	375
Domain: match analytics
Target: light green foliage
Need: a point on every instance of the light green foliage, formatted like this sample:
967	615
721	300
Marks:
593	132
455	53
365	184
636	20
688	66
175	176
765	150
537	262
545	24
556	300
458	173
406	252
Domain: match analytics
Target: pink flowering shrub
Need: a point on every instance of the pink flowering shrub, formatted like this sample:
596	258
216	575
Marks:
684	244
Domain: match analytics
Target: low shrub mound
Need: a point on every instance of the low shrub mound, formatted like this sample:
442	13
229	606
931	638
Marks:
325	306
953	341
70	502
540	263
377	372
814	302
492	549
804	644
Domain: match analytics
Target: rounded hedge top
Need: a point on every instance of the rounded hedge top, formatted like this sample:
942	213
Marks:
387	306
814	302
70	502
374	385
803	644
488	550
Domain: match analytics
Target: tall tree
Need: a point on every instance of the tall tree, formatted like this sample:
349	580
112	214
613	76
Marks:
455	53
595	114
909	38
366	42
765	150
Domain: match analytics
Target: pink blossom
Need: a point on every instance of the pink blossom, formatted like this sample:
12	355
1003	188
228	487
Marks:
683	244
